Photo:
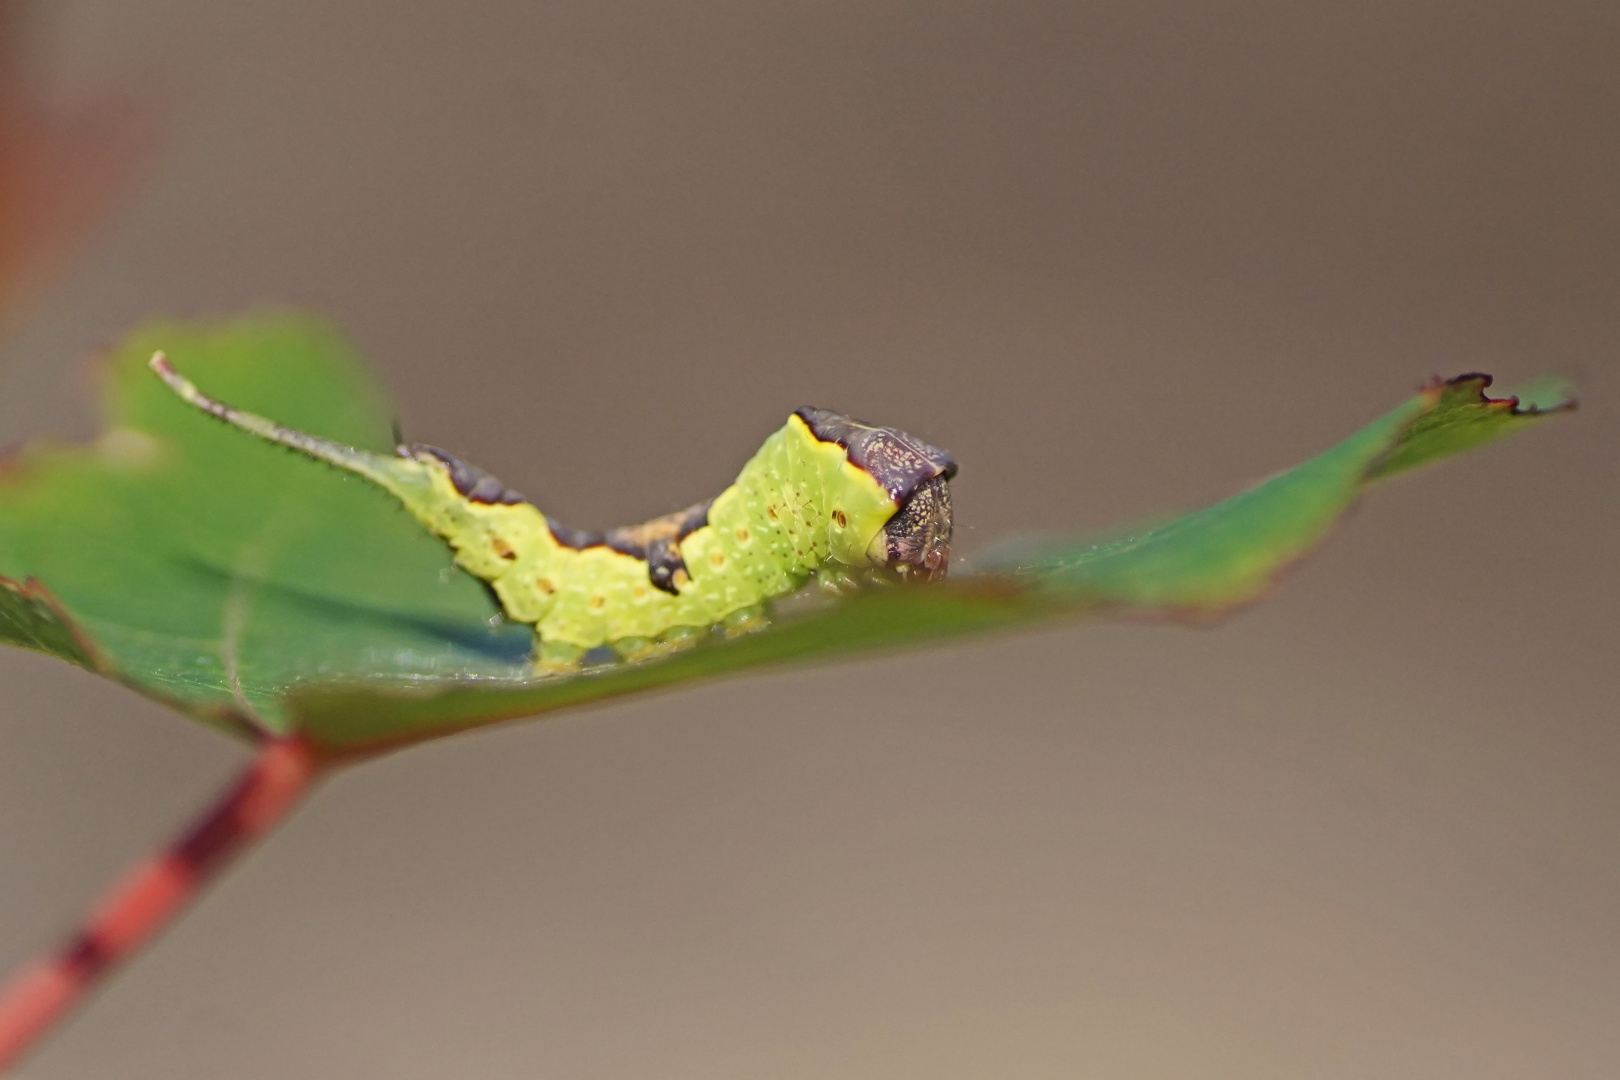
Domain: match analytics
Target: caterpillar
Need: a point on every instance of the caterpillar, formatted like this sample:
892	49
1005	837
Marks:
825	495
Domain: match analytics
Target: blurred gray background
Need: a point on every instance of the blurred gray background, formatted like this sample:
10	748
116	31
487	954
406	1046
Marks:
1120	258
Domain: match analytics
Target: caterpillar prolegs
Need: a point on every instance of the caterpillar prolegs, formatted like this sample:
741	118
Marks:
824	495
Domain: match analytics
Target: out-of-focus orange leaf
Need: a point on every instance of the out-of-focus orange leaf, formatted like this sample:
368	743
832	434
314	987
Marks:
60	171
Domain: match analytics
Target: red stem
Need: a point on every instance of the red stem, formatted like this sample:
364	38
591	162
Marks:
42	994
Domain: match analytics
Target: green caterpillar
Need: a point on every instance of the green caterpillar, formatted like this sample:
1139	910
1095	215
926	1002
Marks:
824	495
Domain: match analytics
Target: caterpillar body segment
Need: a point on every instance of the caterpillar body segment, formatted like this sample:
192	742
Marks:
823	491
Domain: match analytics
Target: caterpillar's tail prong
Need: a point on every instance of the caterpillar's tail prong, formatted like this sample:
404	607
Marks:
398	476
181	385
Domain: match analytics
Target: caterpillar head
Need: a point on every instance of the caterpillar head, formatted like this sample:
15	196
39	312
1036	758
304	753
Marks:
915	544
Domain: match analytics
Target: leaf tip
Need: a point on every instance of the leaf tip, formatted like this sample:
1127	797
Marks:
1542	395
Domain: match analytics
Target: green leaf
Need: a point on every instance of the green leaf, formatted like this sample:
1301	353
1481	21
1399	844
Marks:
1463	418
1193	567
31	618
257	590
1204	563
215	572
